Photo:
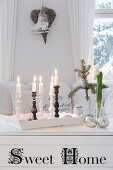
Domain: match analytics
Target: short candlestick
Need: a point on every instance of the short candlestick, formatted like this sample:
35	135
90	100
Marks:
56	88
34	108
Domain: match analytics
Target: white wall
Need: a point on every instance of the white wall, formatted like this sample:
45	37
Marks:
32	55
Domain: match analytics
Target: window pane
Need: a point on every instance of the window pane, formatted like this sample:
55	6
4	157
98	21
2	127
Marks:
103	47
103	4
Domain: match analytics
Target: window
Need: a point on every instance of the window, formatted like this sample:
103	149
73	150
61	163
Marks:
103	4
103	37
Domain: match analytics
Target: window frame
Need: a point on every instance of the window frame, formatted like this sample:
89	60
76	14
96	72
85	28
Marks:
104	13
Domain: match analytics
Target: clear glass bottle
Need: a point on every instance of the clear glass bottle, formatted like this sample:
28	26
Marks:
87	106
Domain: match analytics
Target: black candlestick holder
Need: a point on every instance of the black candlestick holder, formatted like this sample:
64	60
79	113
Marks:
56	88
34	108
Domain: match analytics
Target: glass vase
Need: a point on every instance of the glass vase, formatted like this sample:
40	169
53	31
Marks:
99	112
101	117
87	106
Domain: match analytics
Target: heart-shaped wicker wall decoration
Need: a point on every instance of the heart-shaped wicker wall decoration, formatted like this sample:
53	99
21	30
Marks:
50	15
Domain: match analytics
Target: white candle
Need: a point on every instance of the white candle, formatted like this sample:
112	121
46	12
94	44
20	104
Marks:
18	88
34	85
40	86
51	87
56	77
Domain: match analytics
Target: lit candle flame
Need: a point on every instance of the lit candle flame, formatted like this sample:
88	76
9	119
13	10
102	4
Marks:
18	79
34	79
56	72
40	79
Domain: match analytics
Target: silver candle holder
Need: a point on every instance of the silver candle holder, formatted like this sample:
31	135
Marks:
51	108
41	105
18	104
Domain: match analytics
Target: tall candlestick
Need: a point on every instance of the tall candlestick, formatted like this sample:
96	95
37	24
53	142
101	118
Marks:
18	87
41	106
18	97
41	97
34	108
51	108
52	86
34	85
56	77
40	86
56	101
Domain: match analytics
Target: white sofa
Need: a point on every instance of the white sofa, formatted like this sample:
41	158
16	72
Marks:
8	97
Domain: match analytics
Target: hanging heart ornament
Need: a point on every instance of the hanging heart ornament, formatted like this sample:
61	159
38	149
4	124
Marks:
50	13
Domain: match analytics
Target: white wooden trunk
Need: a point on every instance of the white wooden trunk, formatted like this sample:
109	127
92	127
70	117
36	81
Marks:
50	141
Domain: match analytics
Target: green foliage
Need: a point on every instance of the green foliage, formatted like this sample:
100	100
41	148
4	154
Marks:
99	92
92	87
75	90
83	73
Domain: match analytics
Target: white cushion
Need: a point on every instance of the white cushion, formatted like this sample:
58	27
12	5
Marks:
5	100
108	106
5	95
109	84
79	99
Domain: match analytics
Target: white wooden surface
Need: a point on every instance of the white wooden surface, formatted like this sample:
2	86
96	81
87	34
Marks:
51	140
68	130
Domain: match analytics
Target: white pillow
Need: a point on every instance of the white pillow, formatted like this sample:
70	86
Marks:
109	84
5	99
5	95
79	99
108	106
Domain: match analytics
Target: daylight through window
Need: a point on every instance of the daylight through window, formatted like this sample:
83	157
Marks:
103	38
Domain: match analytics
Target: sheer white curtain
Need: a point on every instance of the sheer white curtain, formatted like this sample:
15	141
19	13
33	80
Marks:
8	38
81	13
1	3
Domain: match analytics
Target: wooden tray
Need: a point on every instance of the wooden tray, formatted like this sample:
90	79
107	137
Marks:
65	119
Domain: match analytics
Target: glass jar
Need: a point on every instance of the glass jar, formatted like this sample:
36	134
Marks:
87	106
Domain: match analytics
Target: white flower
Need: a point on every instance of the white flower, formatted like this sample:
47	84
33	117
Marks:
96	71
